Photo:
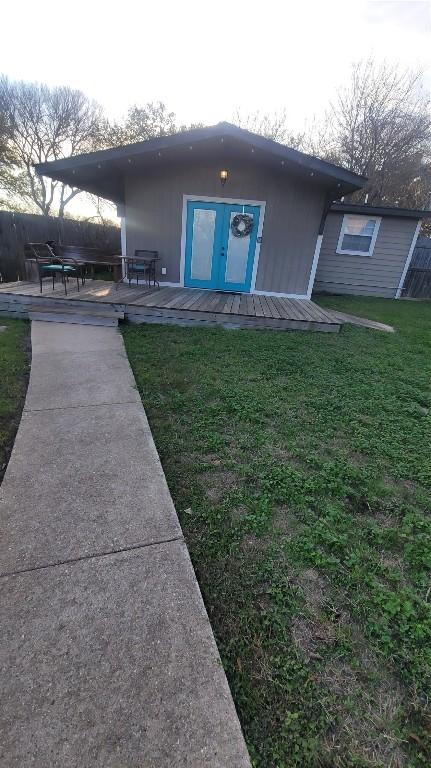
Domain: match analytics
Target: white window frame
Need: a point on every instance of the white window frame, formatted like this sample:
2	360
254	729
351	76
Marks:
344	224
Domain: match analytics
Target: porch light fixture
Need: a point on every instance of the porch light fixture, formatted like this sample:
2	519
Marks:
223	177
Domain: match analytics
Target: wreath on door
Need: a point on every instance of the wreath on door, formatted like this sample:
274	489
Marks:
242	225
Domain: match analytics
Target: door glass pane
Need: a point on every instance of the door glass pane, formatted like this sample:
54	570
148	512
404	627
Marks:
237	255
203	244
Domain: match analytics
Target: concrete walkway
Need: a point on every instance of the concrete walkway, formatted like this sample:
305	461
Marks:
107	654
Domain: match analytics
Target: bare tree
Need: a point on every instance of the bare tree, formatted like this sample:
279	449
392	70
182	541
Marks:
148	122
142	123
45	124
380	126
6	157
4	137
101	211
271	126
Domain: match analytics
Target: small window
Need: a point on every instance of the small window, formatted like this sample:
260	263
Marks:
358	235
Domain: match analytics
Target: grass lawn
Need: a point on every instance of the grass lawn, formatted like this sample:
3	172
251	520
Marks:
300	466
14	368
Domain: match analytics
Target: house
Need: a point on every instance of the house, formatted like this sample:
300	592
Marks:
230	210
366	250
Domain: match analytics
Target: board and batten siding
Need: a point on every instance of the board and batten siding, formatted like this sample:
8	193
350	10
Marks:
376	275
154	204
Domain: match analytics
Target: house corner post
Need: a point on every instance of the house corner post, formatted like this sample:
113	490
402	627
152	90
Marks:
121	212
408	260
314	265
317	248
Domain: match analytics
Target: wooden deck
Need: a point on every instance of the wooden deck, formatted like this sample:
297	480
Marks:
184	306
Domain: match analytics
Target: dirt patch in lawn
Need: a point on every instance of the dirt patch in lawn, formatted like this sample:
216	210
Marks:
218	483
367	714
313	587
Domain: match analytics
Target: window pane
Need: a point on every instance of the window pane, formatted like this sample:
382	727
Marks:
360	225
237	256
356	243
203	244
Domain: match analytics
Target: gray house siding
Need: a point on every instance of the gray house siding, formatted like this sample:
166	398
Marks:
154	204
376	275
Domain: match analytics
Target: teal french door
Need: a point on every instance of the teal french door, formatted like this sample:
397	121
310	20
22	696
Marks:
214	257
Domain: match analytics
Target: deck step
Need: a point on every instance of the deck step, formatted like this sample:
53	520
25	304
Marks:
77	319
78	315
80	310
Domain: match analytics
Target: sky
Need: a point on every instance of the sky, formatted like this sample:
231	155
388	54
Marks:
207	60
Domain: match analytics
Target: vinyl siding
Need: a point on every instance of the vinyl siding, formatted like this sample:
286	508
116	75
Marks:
376	275
154	206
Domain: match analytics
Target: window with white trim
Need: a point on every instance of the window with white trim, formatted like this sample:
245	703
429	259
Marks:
358	235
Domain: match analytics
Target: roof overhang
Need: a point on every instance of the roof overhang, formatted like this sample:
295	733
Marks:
380	210
102	173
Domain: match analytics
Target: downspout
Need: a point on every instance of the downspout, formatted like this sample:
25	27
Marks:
123	236
121	212
319	239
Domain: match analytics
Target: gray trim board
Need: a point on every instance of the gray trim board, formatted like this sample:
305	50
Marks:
380	210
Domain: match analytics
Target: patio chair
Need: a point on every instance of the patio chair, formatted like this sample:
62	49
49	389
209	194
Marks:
48	263
142	265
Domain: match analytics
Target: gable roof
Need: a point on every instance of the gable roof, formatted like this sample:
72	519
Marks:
95	171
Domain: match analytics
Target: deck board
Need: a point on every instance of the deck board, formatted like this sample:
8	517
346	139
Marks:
307	310
174	304
203	304
235	304
272	305
294	305
154	298
258	306
189	298
228	304
214	302
220	304
249	303
182	299
265	306
175	300
194	296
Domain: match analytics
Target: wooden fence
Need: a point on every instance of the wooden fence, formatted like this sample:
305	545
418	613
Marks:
16	229
417	284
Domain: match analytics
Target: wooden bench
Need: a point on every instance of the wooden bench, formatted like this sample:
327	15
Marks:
91	257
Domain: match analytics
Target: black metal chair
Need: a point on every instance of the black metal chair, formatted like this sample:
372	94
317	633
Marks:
142	265
49	263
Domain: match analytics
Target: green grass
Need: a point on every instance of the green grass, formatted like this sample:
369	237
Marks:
14	365
300	466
